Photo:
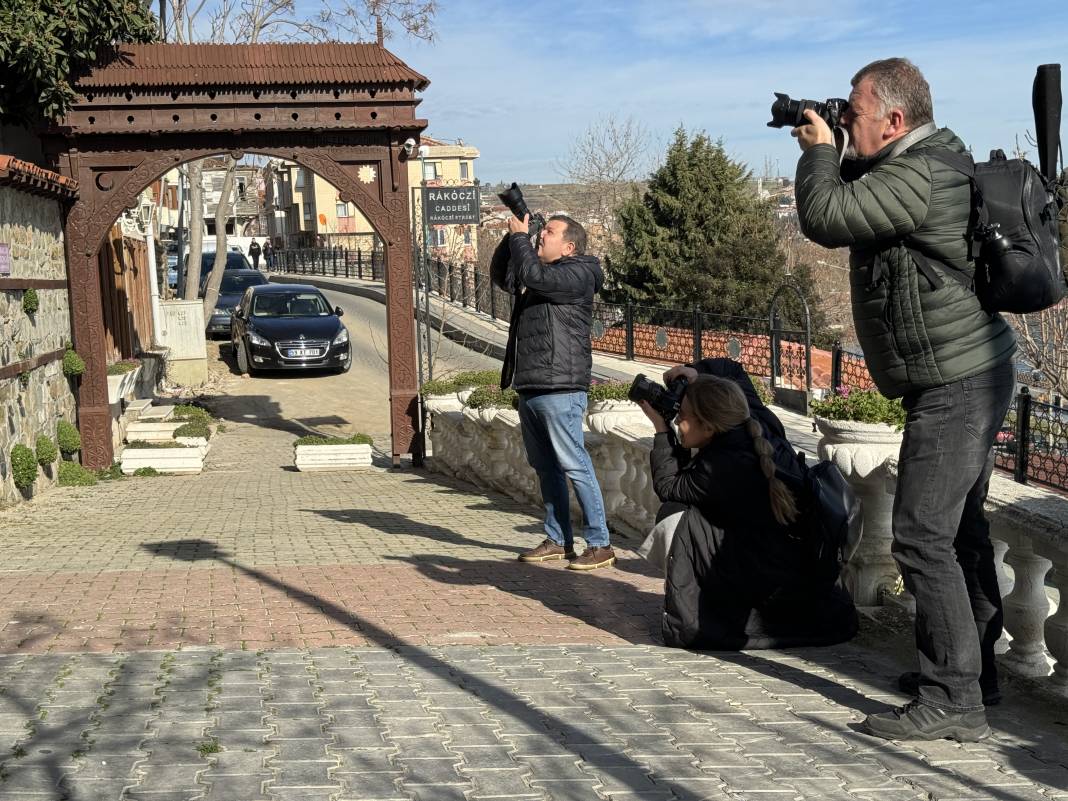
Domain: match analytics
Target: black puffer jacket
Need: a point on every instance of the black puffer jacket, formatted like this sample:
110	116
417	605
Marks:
549	336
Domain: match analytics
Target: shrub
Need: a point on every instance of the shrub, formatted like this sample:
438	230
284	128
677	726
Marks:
355	439
608	390
113	473
47	452
72	474
70	441
147	472
439	386
189	412
30	302
23	466
140	443
123	367
462	380
861	405
24	379
73	365
493	397
194	428
762	390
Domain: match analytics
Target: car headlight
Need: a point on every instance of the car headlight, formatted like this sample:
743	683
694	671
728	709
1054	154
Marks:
256	339
342	337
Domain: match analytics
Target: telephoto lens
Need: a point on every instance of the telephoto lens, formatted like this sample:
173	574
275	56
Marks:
512	197
789	113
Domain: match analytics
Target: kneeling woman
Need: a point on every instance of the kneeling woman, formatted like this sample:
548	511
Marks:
741	572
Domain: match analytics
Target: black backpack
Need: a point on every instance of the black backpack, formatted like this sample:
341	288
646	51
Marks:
830	520
1014	239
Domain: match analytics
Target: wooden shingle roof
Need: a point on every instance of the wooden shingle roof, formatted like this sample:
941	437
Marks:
165	65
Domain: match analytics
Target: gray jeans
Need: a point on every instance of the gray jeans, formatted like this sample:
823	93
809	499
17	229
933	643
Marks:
942	537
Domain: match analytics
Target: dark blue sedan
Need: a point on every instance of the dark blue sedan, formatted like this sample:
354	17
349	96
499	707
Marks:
234	284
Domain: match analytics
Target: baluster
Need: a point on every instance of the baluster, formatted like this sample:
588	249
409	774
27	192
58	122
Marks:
1004	582
1026	609
1056	628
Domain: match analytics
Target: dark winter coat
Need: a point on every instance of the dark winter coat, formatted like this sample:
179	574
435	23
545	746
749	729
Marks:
549	347
735	576
254	250
905	221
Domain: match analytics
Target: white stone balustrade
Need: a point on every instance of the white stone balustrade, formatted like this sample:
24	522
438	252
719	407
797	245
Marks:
1029	525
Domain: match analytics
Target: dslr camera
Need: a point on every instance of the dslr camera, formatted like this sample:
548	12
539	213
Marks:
788	113
512	197
666	401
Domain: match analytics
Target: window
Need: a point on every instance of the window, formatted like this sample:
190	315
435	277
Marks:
430	170
467	236
439	237
465	171
343	210
307	213
241	188
300	178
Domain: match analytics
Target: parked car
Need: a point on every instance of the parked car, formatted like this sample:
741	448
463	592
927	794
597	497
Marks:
234	284
234	261
288	327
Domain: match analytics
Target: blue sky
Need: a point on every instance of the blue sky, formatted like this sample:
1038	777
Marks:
521	81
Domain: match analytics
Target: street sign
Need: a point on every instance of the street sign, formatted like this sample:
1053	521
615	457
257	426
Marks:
451	205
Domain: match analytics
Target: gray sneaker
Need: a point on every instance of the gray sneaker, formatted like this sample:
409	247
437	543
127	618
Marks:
917	721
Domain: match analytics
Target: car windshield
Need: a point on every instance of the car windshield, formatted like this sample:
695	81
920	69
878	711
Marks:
234	261
289	304
236	284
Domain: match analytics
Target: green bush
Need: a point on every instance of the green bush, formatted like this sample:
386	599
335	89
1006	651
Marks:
608	390
861	405
123	367
467	379
355	439
190	413
762	390
439	386
23	466
47	452
140	443
24	379
30	302
113	473
73	365
72	474
493	397
194	428
147	472
70	441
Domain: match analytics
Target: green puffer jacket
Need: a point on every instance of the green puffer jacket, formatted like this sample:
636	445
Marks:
919	326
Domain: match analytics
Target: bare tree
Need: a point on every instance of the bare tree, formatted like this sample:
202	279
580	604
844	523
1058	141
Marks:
607	160
1041	337
222	214
195	171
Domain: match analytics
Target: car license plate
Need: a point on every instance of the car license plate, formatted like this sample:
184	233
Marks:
296	352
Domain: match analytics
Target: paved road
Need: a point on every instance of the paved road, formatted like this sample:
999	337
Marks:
259	634
339	404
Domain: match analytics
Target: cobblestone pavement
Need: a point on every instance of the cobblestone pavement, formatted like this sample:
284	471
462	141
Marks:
165	639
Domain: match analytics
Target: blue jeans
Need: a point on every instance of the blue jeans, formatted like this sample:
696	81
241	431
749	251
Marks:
942	537
552	434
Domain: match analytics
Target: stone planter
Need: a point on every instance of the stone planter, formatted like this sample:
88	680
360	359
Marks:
326	458
604	415
861	450
152	432
175	460
437	404
120	386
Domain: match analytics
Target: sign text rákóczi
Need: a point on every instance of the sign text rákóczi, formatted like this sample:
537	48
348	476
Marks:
451	205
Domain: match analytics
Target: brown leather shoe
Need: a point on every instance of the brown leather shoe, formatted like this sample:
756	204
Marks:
547	551
593	558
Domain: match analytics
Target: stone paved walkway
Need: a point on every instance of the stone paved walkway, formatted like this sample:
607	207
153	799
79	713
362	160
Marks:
254	633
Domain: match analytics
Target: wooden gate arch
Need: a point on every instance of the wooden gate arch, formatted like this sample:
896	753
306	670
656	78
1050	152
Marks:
343	111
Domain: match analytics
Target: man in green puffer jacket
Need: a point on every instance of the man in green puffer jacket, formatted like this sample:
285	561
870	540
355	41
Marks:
926	340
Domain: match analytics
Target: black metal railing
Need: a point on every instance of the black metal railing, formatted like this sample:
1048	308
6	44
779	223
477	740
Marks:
1032	443
335	262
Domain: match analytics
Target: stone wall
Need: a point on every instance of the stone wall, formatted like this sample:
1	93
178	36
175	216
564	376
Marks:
32	226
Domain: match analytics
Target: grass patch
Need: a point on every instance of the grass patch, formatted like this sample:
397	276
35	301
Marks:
140	443
194	428
123	367
189	412
355	439
210	747
147	472
72	474
113	473
493	398
608	390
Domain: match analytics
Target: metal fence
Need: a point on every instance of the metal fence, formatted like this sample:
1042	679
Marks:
1032	443
338	262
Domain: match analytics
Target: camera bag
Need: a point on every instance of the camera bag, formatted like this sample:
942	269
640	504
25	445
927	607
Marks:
830	518
1014	239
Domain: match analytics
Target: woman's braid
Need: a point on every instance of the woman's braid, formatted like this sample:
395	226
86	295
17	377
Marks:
783	504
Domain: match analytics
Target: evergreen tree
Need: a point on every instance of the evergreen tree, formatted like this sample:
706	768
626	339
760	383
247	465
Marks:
700	235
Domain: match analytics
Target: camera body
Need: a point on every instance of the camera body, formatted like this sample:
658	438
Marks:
665	400
512	197
789	113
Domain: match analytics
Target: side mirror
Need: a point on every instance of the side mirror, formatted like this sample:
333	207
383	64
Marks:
338	311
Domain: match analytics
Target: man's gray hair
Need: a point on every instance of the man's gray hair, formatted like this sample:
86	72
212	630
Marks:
898	83
573	233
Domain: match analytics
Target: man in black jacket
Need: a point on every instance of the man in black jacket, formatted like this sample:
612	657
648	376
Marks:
548	361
